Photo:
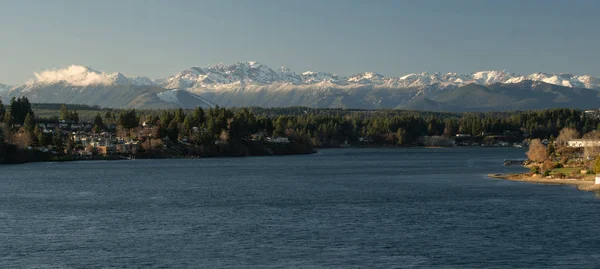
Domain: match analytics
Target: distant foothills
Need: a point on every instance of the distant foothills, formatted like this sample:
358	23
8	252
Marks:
248	84
58	132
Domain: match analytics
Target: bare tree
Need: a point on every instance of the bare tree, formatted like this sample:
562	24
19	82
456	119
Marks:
565	135
537	151
22	139
591	150
593	135
224	136
547	166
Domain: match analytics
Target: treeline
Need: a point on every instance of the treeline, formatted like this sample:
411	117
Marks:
205	131
393	127
57	106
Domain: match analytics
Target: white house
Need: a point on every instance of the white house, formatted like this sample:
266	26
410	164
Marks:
582	143
279	140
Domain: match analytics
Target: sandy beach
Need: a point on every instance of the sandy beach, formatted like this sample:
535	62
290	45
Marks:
586	184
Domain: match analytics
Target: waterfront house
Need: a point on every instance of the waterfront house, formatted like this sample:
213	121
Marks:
583	143
106	150
282	140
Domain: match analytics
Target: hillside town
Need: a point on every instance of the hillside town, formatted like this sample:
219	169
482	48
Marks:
130	134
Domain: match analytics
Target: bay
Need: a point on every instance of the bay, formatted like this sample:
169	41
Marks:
341	208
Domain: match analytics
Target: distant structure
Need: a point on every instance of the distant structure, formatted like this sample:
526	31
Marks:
583	143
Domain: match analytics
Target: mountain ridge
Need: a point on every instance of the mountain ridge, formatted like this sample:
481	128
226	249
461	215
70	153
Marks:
254	84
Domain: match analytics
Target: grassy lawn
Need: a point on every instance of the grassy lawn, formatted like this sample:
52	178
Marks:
566	170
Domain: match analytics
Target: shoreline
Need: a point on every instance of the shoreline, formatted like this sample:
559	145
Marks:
584	185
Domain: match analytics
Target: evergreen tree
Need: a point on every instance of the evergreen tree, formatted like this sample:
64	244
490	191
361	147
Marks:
198	117
128	119
172	130
7	118
39	136
2	110
57	142
29	124
64	113
187	124
179	115
98	123
19	108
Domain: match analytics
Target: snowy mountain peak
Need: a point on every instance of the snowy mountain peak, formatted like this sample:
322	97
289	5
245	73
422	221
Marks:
255	73
488	77
252	73
78	75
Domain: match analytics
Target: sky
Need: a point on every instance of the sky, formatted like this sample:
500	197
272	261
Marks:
158	38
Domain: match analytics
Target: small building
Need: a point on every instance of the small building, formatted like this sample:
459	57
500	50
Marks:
583	143
279	140
106	150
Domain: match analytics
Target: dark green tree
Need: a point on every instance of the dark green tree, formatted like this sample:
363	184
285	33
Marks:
2	110
57	142
98	123
128	119
29	124
64	113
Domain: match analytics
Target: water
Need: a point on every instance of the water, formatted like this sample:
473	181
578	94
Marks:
347	208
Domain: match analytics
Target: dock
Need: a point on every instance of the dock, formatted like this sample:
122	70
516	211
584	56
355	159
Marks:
514	162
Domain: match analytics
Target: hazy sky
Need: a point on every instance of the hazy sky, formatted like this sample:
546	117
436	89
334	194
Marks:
160	38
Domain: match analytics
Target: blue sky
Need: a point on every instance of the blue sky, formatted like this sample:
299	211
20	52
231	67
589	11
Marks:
160	38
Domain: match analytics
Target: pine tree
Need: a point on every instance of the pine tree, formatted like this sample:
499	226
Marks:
98	123
2	110
179	115
38	136
29	124
7	118
57	142
198	117
64	113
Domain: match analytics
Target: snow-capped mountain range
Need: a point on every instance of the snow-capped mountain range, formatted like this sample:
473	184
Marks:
252	83
256	73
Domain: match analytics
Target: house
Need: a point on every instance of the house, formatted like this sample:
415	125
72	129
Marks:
106	150
260	135
367	139
583	143
278	140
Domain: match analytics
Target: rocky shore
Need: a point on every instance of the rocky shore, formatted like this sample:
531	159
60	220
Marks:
585	184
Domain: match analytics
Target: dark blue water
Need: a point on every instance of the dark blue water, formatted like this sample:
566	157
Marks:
354	208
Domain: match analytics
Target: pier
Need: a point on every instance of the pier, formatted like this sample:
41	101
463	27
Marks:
514	162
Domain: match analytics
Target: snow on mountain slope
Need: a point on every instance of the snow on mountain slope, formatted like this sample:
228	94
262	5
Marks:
255	84
77	75
183	99
239	76
4	88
